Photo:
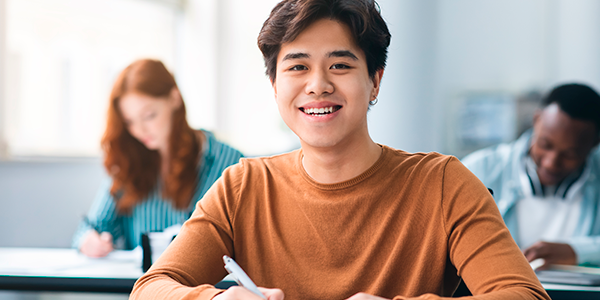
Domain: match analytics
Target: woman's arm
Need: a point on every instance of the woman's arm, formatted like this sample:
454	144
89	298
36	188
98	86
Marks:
95	235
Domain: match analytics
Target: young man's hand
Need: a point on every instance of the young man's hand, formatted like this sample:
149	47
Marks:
97	245
239	293
552	253
363	296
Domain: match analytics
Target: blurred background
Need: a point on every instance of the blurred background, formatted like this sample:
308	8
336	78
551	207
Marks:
461	75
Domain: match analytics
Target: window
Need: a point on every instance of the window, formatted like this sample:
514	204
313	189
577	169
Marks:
61	58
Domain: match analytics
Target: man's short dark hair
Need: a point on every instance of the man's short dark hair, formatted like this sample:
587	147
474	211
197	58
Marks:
579	101
290	17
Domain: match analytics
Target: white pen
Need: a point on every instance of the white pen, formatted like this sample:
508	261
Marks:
240	276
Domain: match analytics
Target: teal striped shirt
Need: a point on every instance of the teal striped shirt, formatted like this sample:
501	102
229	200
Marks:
155	213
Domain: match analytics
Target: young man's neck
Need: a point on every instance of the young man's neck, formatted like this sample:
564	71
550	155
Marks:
341	162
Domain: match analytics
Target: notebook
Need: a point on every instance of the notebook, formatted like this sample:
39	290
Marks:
574	275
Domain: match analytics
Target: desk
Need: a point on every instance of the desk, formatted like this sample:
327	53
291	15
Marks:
66	270
572	292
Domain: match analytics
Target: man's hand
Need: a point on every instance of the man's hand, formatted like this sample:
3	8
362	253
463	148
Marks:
97	245
363	296
239	293
552	253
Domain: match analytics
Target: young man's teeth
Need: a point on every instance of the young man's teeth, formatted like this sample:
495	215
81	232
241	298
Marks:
322	110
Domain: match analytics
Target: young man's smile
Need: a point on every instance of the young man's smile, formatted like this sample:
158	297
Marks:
320	111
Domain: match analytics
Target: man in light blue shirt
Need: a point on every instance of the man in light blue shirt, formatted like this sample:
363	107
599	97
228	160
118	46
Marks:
547	183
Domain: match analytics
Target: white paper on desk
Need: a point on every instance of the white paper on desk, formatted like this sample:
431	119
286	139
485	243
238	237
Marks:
69	262
117	264
576	269
35	261
134	255
535	264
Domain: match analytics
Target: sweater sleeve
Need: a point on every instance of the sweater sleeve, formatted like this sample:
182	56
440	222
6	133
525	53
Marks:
103	214
193	263
479	244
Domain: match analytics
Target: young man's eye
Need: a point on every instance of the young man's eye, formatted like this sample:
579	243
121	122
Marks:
298	68
545	145
574	155
340	66
571	156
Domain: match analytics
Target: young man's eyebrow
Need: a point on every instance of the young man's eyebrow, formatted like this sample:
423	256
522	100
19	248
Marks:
343	53
295	55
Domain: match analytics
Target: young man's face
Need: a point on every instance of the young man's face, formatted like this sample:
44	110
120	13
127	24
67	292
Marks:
322	85
560	144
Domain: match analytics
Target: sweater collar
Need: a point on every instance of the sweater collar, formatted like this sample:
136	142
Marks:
385	151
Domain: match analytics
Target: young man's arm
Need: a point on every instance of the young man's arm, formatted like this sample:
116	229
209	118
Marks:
481	247
193	262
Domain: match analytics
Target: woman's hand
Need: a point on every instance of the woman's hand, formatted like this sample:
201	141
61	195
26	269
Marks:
239	293
97	245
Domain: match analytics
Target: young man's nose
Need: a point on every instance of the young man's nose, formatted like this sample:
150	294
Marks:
319	83
551	161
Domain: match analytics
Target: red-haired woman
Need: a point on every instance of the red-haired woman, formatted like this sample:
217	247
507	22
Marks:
159	167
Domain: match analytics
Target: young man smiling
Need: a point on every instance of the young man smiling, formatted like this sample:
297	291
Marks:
324	70
547	183
343	217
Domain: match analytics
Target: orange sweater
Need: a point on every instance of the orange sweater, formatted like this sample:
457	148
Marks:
407	227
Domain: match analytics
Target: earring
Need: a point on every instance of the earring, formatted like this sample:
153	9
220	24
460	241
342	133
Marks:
373	102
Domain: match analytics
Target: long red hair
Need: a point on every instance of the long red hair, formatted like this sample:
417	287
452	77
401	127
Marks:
135	169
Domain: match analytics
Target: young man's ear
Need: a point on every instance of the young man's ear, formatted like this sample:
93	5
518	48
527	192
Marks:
274	87
376	83
175	97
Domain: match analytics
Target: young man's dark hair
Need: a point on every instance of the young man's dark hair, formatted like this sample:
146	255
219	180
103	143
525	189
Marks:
291	17
579	101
